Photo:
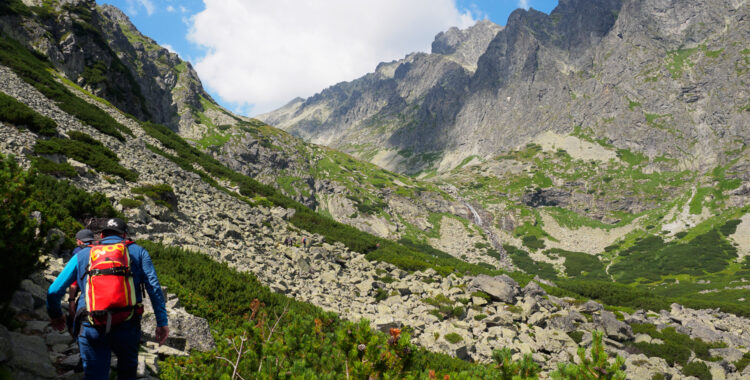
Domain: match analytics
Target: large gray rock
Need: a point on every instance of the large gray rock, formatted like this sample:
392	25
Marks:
614	329
533	289
590	307
30	357
22	301
500	288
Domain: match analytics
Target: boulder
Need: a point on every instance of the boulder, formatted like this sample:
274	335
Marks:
6	347
56	337
500	288
532	289
590	307
729	354
30	357
614	329
22	301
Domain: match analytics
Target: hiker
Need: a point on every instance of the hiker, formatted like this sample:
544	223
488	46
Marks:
84	237
110	271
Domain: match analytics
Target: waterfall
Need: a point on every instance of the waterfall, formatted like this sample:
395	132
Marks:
477	218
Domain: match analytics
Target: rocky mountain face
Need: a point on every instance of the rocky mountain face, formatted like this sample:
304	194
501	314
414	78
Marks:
664	78
99	49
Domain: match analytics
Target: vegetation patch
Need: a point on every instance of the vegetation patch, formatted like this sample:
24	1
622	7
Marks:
581	265
20	115
651	258
453	338
162	194
62	169
444	308
522	260
679	60
82	147
130	203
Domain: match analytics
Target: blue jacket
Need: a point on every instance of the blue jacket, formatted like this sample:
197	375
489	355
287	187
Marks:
140	265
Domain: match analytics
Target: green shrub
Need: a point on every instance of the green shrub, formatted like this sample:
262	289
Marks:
729	227
522	260
594	367
582	265
523	369
743	362
697	369
46	166
84	148
651	258
533	242
161	194
130	203
14	112
453	338
19	245
480	317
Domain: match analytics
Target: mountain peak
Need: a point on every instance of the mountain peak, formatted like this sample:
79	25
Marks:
465	46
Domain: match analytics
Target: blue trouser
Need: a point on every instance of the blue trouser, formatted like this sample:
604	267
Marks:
97	348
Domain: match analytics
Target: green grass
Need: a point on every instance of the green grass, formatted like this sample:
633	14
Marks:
453	338
679	60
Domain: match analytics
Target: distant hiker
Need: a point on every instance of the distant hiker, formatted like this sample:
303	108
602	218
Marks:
84	237
110	270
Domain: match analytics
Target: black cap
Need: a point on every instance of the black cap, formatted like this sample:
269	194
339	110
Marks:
85	235
117	225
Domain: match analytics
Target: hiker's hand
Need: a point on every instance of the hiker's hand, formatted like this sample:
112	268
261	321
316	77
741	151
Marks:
58	323
162	332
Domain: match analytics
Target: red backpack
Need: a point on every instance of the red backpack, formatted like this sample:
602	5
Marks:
110	291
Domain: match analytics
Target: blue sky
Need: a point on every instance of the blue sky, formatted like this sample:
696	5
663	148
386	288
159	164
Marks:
255	55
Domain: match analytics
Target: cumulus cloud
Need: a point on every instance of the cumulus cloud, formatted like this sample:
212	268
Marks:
523	4
170	9
266	52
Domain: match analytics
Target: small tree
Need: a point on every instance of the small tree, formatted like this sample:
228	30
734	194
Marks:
525	368
595	367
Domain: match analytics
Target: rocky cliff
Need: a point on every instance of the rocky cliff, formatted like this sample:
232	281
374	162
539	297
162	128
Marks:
661	78
99	49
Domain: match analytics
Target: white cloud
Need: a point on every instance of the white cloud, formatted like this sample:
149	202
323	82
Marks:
170	9
266	52
523	4
147	4
170	48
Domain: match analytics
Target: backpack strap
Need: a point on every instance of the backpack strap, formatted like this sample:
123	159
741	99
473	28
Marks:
117	271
